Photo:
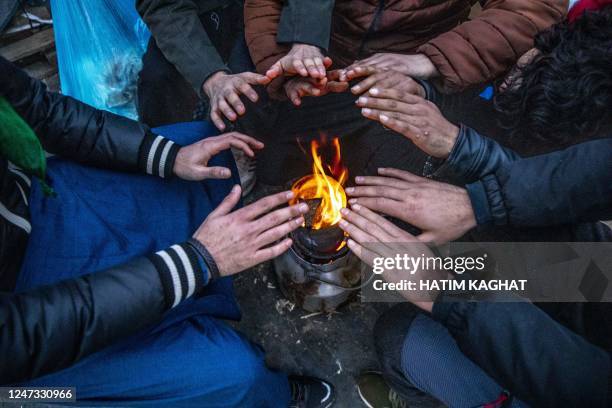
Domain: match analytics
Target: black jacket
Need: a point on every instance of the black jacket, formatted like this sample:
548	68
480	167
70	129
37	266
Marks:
564	187
51	328
180	34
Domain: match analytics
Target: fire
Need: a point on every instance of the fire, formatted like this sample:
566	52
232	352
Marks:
325	183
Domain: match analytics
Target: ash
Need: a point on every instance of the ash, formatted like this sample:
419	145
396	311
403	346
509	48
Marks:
336	346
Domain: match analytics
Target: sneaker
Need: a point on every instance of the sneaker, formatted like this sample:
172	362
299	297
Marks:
246	170
376	393
310	392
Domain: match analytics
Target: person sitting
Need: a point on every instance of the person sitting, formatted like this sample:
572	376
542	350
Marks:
567	190
417	38
198	49
111	283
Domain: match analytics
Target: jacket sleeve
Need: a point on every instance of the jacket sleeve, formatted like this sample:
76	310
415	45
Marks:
53	327
77	131
518	345
482	49
473	157
563	187
180	35
306	22
261	20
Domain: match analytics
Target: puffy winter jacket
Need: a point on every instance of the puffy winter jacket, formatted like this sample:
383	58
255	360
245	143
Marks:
179	32
53	327
465	52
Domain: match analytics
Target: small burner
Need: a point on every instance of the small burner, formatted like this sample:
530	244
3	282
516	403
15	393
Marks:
318	272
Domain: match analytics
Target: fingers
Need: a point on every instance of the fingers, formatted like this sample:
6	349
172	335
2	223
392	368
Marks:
299	67
401	174
265	205
337	87
234	100
360	71
373	225
215	173
280	231
226	110
400	95
369	82
383	205
277	217
391	229
272	252
362	253
216	118
246	89
391	105
376	191
429	238
228	202
275	71
381	181
254	143
313	68
357	233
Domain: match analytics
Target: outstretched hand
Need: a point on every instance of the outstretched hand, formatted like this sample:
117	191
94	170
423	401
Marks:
412	116
238	240
224	90
414	65
372	237
192	161
442	211
302	60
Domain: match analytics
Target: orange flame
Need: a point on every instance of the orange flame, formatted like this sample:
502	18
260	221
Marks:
327	187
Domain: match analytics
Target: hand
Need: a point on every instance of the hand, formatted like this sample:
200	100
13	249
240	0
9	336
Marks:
297	88
251	235
224	90
372	236
442	211
412	116
191	161
414	65
383	78
304	60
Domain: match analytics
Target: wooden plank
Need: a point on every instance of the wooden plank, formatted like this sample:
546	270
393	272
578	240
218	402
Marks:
38	42
41	70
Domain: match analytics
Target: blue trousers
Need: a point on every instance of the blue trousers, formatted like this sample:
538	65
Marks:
192	357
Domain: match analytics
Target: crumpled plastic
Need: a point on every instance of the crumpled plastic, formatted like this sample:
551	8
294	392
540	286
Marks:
99	45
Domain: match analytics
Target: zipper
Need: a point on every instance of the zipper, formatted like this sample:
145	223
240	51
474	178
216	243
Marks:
380	7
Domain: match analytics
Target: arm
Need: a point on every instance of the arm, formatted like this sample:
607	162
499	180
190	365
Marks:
178	32
261	20
482	49
53	327
517	344
82	133
564	187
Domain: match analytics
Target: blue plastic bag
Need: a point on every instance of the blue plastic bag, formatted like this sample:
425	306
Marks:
100	44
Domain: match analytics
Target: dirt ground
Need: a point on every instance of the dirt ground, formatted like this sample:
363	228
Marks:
335	346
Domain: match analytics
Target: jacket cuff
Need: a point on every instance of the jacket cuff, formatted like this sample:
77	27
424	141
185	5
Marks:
431	93
181	271
157	155
488	201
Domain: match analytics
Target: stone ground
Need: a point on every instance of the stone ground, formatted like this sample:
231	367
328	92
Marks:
335	346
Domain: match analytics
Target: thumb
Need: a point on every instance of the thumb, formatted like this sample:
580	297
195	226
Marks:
275	70
216	173
228	203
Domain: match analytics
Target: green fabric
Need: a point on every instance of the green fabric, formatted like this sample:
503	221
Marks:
19	144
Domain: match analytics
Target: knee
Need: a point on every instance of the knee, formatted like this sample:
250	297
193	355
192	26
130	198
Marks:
390	332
